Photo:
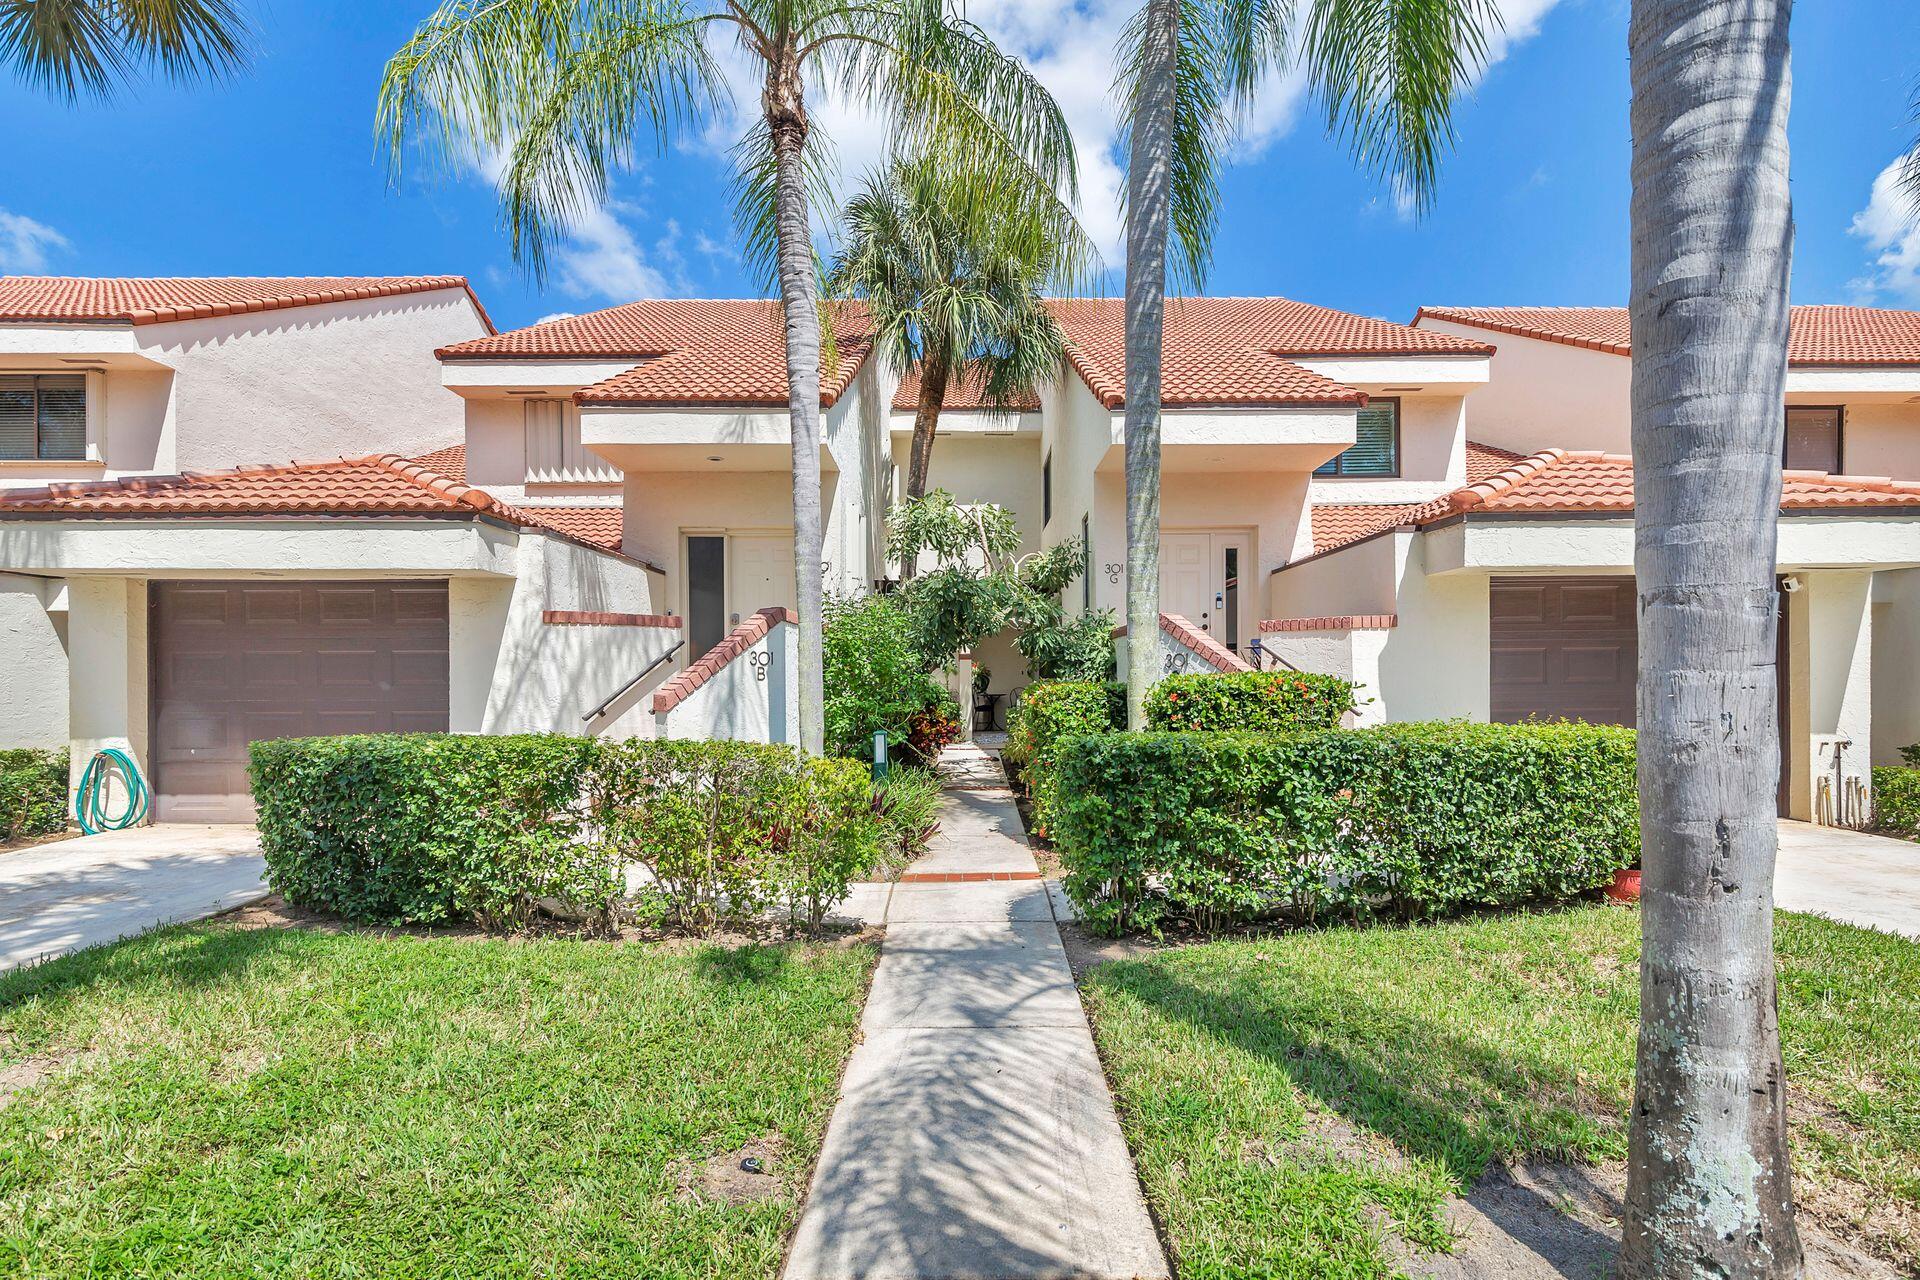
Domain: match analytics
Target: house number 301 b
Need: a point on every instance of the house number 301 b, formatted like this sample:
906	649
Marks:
760	661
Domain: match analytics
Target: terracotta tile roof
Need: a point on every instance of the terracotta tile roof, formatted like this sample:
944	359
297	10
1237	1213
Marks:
1555	480
736	642
1485	460
1337	524
380	484
77	299
1234	351
596	526
450	462
689	351
1341	622
1818	335
964	395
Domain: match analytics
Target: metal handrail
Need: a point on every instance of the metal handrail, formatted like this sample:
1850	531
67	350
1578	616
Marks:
650	668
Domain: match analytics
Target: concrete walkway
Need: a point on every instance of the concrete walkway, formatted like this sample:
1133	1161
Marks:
1849	876
57	898
974	1138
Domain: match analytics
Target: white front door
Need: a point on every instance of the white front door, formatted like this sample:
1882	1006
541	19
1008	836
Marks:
760	572
1203	578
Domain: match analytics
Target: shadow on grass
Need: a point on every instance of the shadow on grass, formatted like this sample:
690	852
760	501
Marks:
744	966
1436	1093
179	956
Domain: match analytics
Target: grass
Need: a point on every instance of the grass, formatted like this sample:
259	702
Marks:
277	1102
1287	1098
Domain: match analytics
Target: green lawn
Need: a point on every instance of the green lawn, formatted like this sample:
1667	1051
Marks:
278	1102
1287	1097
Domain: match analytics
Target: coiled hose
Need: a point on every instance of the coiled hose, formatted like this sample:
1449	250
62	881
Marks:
90	804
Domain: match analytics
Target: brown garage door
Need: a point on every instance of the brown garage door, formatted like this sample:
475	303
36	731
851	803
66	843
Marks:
237	662
1564	647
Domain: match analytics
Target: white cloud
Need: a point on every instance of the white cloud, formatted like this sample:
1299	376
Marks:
1890	224
25	244
555	315
1069	44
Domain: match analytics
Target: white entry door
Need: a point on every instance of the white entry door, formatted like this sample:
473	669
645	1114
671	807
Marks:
1202	578
760	572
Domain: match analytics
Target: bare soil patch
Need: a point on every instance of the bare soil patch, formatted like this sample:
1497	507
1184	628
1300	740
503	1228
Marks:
754	1172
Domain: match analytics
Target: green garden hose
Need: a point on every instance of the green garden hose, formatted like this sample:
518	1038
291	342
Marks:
90	804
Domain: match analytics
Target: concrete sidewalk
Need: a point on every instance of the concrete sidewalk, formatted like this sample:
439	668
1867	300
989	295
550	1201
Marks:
975	1138
1862	879
59	897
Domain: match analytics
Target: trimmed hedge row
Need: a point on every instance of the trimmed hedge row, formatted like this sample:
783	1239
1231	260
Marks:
33	793
1051	714
1896	799
1406	820
398	829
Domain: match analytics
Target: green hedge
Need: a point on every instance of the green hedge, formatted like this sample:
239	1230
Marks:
33	793
1051	713
1407	820
1896	799
426	828
431	828
1249	702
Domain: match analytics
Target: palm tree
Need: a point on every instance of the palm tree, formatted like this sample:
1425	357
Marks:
64	47
1384	71
952	280
565	89
1708	1190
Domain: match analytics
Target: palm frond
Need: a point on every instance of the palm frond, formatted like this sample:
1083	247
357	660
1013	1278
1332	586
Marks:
555	91
1387	73
1910	169
66	47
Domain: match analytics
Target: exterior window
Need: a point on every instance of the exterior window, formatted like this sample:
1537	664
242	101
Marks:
1376	443
1813	438
43	416
706	593
554	452
1046	491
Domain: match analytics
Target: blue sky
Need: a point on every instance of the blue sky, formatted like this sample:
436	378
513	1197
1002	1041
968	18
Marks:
275	173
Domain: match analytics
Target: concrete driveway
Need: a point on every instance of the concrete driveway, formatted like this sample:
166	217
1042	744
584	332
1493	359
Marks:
1849	876
60	897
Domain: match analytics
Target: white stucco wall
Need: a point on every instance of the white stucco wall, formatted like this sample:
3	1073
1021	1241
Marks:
1349	653
1547	395
754	698
1361	578
1830	621
33	662
342	378
1896	674
108	695
977	468
1877	439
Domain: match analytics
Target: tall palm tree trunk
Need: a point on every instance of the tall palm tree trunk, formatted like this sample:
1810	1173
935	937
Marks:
1708	1191
934	375
1149	169
787	121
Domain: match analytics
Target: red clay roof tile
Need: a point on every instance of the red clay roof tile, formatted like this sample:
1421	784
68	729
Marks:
78	299
966	395
450	462
1818	335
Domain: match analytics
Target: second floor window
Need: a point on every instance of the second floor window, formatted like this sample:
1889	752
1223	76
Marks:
1813	438
1376	443
43	416
554	452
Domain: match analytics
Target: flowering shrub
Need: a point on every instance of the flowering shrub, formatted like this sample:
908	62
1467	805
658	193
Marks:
1249	702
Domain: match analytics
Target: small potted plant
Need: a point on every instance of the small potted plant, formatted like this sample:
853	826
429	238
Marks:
1625	886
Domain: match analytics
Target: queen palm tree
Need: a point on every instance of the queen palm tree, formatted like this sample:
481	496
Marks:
952	276
567	89
1385	73
1708	1191
66	47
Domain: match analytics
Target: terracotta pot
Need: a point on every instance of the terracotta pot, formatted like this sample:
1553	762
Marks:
1625	886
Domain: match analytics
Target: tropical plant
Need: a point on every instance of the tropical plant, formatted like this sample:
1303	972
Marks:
1385	72
951	273
66	47
877	680
562	90
1707	1185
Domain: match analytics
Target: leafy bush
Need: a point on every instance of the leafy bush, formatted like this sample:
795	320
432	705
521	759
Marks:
1060	648
1049	715
427	828
33	793
1408	820
1249	702
727	829
1896	799
875	680
907	804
